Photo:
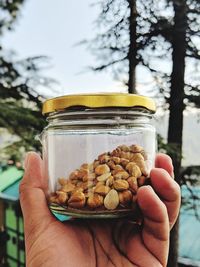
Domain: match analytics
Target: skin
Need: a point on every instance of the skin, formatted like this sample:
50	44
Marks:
90	243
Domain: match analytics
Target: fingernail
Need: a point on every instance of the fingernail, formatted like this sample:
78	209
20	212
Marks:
26	160
173	175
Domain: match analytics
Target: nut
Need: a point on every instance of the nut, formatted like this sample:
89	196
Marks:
111	201
102	169
96	163
117	169
89	176
95	201
109	181
53	199
86	185
69	187
103	177
102	189
103	158
121	175
124	148
111	164
133	185
125	197
133	169
73	175
116	160
141	180
82	173
120	185
124	162
62	197
136	149
77	200
62	181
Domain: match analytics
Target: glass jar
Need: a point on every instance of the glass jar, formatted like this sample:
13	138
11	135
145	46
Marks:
97	150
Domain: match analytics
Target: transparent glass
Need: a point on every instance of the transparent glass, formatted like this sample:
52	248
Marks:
96	159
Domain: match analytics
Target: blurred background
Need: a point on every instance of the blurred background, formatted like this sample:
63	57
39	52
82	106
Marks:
145	47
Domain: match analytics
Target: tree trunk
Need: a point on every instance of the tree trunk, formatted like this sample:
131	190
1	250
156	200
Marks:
176	105
132	54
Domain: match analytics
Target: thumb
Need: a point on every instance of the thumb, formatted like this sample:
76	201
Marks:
32	194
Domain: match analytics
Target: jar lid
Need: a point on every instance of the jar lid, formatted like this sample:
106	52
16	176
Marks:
98	101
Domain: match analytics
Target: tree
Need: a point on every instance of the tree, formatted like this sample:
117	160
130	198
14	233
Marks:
148	33
20	104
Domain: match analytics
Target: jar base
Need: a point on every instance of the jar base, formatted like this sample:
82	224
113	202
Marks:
91	214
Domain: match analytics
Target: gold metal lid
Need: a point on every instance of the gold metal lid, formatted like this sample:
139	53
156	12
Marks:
98	101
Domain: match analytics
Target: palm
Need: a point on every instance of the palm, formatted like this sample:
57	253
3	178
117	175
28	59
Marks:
91	243
100	242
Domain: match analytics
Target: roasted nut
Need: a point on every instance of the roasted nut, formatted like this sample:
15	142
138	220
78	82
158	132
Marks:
62	181
120	185
133	185
102	189
124	162
103	177
102	169
69	187
73	175
85	166
137	157
111	164
103	158
141	180
116	160
82	173
121	175
133	169
54	199
109	181
89	176
86	185
136	149
62	197
77	200
124	148
96	163
95	201
111	201
117	169
125	197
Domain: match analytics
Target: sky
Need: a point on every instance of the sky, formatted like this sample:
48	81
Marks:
53	28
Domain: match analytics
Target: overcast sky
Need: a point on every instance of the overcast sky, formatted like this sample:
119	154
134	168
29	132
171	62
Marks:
52	28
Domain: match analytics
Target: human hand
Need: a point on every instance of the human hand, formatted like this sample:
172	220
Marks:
104	243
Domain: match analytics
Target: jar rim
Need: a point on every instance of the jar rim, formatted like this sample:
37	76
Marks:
99	100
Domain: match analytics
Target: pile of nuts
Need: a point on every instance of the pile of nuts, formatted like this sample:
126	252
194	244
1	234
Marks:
109	183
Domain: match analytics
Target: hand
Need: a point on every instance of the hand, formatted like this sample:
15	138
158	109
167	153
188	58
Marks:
90	243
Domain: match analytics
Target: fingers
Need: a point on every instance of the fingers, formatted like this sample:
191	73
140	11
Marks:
155	233
32	196
165	162
166	188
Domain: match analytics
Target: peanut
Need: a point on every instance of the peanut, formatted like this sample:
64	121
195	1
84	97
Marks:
95	201
62	197
111	201
102	169
102	189
77	200
69	187
133	184
103	177
133	169
141	180
125	197
120	185
121	175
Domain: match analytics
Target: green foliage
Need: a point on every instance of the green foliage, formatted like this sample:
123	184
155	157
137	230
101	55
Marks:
20	104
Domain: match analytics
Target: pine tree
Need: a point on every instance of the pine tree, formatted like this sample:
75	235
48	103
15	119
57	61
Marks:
148	33
20	104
